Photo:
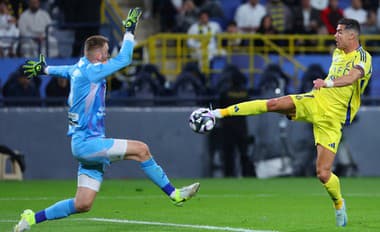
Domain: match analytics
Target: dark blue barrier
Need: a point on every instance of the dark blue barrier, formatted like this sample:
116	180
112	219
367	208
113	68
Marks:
9	65
40	134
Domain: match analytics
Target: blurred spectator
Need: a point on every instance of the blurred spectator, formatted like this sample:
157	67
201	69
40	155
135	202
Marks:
233	30
148	8
291	3
8	29
177	3
20	91
370	4
33	23
378	16
266	26
370	26
16	7
187	16
319	4
307	19
281	16
331	15
213	8
234	130
249	15
204	27
168	10
192	68
356	11
58	87
84	22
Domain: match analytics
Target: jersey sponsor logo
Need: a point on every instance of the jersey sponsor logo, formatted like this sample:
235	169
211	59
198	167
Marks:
332	145
335	60
101	112
236	108
309	95
73	118
299	97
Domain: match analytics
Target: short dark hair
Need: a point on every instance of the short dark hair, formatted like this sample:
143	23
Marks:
203	11
94	42
231	23
350	24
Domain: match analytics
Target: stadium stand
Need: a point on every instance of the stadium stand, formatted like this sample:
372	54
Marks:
168	52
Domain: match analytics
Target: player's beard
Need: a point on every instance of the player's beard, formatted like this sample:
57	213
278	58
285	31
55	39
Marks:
337	43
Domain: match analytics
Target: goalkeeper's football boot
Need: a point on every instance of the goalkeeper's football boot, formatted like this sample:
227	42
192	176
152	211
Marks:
184	194
130	23
26	221
341	215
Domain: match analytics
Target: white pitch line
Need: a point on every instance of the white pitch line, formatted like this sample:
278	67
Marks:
159	196
204	227
121	221
6	221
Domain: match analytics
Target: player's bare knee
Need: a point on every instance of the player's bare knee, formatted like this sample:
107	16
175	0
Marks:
143	152
323	175
83	207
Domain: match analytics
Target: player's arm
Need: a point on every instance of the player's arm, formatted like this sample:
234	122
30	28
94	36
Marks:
37	68
353	75
99	71
59	71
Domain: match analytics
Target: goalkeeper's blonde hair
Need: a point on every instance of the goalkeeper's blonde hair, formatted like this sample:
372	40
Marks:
93	43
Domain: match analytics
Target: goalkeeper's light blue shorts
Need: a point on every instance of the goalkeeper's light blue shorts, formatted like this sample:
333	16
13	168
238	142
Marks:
95	154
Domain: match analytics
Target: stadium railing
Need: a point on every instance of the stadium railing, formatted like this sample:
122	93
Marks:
170	51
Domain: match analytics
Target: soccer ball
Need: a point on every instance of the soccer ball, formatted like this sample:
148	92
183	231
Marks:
202	120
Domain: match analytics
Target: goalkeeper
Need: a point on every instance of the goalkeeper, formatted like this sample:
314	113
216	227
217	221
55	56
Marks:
86	127
332	103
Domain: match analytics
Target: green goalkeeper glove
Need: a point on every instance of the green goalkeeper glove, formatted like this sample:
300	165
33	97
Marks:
35	68
131	21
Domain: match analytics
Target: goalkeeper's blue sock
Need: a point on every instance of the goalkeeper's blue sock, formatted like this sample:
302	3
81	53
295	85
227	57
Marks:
58	210
157	175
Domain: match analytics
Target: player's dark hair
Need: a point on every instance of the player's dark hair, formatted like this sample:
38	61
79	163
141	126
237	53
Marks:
350	24
94	42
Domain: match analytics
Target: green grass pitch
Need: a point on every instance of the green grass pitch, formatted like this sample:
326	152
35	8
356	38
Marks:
250	205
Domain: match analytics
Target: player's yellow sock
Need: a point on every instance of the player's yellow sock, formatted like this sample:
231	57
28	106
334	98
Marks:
245	108
333	188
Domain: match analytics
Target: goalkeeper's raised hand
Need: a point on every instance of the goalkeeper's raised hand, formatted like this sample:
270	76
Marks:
35	68
132	19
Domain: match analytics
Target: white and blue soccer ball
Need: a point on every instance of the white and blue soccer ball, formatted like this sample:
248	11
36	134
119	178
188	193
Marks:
202	120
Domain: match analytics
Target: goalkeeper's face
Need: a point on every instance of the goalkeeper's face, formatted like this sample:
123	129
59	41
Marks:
104	55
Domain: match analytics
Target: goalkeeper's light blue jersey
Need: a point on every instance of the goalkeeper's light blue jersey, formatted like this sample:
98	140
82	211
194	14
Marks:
88	87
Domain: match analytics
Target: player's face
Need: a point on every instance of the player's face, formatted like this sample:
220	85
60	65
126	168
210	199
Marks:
342	36
104	53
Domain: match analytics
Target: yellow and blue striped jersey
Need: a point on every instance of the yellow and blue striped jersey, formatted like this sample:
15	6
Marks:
344	102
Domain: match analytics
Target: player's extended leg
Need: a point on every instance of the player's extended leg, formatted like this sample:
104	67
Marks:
82	202
60	209
282	105
139	151
331	183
